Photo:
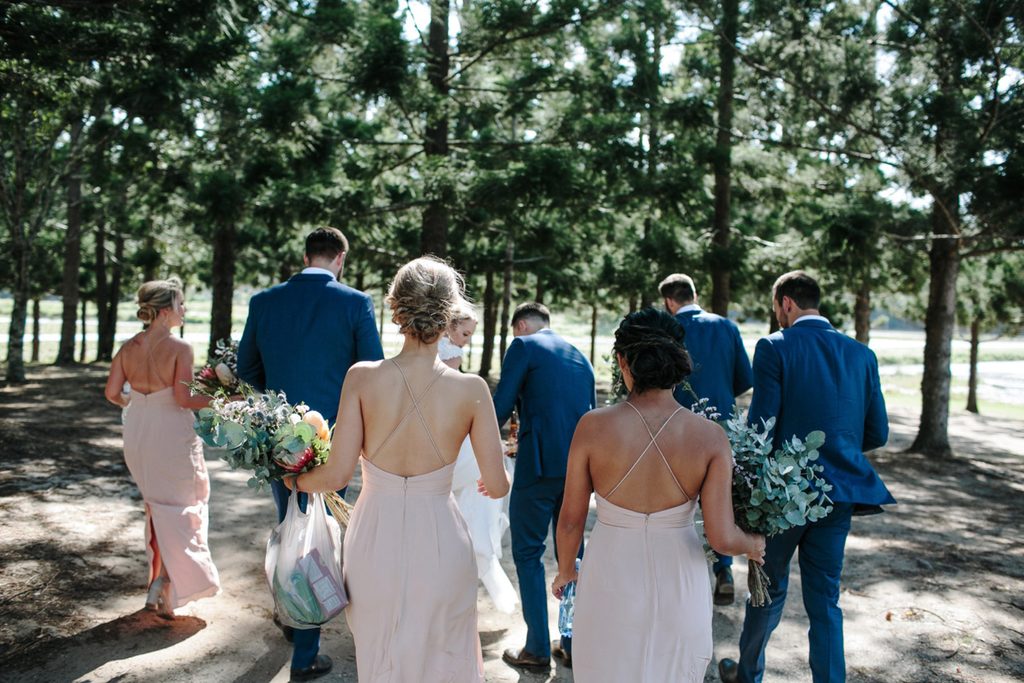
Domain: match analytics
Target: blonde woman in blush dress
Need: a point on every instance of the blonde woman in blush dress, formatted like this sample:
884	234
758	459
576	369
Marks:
409	564
163	453
484	516
643	602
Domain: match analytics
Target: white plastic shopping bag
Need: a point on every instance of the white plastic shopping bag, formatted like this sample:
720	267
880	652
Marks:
303	565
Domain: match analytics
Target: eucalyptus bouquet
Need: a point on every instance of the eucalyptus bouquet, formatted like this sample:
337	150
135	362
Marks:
772	489
219	377
270	437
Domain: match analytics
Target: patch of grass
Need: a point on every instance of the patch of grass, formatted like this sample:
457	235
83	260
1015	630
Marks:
903	390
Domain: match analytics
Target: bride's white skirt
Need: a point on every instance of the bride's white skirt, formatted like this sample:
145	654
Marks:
487	521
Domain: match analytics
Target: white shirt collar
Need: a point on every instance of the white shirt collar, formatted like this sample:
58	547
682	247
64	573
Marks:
806	318
313	270
687	308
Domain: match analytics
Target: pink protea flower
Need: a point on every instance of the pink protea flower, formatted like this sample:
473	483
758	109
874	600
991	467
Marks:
304	458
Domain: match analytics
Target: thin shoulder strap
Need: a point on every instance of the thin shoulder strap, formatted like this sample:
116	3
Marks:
652	442
415	408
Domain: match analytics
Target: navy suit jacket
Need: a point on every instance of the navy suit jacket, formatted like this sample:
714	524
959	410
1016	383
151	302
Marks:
553	385
811	376
721	368
302	336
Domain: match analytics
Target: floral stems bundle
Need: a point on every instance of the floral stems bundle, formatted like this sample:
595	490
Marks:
772	489
219	377
270	437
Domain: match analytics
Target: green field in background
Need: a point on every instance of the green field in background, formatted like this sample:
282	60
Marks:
901	390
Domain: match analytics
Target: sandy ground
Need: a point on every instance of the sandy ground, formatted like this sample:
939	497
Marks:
932	590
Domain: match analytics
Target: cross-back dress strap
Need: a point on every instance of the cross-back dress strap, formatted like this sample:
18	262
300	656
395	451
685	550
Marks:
415	408
653	442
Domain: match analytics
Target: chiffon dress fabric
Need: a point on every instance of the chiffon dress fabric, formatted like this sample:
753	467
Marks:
643	601
165	458
411	575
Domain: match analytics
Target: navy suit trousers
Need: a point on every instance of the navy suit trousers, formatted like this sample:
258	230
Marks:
532	511
821	545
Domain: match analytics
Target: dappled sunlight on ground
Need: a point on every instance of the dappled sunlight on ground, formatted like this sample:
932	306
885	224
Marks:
930	589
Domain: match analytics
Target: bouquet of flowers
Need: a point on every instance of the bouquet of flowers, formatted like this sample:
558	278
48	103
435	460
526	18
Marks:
270	437
219	377
772	489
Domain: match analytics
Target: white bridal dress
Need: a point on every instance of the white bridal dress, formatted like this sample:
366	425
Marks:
486	517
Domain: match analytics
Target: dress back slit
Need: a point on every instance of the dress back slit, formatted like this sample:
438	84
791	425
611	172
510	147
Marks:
165	458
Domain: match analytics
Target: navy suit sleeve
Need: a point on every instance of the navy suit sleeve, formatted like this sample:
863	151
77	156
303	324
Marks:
250	363
368	345
876	420
742	375
767	399
513	374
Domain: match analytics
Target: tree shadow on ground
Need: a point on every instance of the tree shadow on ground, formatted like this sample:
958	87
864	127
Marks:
135	634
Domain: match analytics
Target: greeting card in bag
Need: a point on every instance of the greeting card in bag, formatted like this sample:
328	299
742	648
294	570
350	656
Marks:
303	565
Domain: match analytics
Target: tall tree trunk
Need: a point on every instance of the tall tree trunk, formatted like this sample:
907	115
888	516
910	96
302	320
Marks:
105	342
35	329
773	322
223	281
490	323
720	262
102	290
593	332
940	318
539	298
862	313
633	303
434	231
72	253
383	305
972	380
506	292
19	309
85	334
152	255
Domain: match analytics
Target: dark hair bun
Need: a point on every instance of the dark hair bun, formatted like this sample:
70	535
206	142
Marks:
651	342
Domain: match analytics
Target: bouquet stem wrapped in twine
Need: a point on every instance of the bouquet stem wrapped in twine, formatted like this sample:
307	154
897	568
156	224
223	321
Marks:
340	510
773	489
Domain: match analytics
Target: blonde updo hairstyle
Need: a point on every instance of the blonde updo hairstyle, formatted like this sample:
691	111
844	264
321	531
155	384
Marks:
155	296
462	312
424	297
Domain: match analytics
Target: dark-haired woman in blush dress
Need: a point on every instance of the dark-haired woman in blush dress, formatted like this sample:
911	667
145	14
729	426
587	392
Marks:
643	602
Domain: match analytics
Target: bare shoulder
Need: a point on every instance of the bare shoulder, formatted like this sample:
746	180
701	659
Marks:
603	424
707	436
469	384
360	371
179	344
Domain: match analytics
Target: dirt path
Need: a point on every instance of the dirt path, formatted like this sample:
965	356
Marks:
931	590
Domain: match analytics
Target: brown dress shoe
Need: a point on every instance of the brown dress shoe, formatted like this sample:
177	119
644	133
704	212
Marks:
560	652
725	591
728	671
525	660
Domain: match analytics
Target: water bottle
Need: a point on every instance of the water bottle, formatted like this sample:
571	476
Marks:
567	607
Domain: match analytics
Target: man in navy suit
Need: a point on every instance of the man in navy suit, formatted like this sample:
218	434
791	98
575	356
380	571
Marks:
721	372
301	337
553	385
810	376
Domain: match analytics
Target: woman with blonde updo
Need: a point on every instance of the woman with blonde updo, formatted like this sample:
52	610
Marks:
163	453
409	563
